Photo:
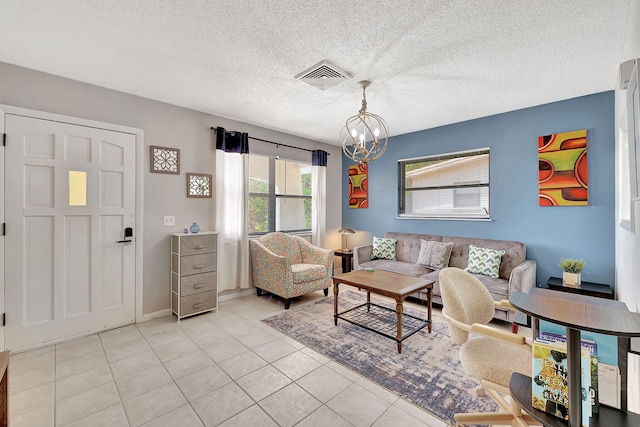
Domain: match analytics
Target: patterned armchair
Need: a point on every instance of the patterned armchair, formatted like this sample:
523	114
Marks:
289	266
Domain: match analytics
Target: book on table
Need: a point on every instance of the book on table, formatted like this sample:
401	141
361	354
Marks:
609	380
609	385
550	384
592	347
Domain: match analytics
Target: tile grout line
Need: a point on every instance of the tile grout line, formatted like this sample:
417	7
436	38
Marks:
301	350
113	378
173	380
163	367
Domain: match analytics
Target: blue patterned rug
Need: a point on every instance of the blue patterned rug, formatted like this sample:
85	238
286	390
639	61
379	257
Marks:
428	373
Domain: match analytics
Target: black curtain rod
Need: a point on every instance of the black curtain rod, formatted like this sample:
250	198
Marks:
277	144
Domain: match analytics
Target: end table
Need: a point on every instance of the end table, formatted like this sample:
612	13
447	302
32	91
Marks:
586	288
347	259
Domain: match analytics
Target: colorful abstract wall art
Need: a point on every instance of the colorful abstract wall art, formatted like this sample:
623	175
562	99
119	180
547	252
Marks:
562	169
358	186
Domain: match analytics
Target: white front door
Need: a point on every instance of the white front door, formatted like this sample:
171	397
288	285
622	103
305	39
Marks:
70	195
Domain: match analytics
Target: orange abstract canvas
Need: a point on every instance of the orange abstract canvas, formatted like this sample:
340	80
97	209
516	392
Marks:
358	186
562	169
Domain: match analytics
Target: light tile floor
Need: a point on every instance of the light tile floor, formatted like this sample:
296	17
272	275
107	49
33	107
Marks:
225	368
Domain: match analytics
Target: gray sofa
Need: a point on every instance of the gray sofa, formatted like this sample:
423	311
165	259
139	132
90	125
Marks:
517	274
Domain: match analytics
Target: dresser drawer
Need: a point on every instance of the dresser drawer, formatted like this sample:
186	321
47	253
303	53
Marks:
193	244
193	264
191	304
194	284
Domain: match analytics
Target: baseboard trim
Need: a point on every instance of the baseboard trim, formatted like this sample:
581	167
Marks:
155	315
167	311
240	294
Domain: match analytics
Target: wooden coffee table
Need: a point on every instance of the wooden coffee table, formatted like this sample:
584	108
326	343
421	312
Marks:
393	285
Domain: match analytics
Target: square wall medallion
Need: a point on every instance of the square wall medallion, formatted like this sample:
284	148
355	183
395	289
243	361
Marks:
165	160
199	185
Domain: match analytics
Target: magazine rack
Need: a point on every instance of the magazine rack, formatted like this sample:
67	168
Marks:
576	313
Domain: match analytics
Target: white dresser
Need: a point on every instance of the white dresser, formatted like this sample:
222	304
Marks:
194	287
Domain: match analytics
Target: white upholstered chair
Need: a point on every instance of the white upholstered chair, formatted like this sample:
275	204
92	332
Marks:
491	355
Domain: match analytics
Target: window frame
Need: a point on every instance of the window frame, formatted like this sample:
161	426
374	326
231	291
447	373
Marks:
272	197
402	190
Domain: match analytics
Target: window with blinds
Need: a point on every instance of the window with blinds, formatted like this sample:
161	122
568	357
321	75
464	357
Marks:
279	195
449	186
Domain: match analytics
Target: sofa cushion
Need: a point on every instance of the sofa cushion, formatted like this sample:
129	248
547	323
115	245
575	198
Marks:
384	248
408	245
406	268
484	261
434	255
515	252
497	287
308	272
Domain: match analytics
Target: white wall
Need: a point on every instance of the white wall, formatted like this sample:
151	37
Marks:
169	126
627	243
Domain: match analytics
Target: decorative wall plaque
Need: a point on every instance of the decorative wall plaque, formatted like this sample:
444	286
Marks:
199	185
165	160
358	186
562	169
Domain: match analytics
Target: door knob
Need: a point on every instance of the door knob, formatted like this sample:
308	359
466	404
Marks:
128	232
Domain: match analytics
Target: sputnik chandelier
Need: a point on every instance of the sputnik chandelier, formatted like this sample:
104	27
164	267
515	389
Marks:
364	136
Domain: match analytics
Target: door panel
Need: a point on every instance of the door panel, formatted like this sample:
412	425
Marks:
112	262
72	194
78	265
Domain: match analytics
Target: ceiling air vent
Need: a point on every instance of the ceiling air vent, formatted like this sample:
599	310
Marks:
323	75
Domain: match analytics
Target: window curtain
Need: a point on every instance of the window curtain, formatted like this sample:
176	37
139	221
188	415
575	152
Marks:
232	207
319	197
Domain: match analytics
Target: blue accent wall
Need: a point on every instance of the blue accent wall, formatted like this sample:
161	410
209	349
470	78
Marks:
550	233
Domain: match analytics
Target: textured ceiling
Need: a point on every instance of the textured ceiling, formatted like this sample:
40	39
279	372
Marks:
431	62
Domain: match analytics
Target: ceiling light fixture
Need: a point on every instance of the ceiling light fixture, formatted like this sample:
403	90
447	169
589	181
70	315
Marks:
364	136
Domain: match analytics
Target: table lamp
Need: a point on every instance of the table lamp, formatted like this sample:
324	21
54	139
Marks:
346	231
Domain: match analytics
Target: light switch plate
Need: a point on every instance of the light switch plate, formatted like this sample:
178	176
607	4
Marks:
169	220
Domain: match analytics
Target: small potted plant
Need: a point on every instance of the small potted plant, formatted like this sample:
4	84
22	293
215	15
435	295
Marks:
571	269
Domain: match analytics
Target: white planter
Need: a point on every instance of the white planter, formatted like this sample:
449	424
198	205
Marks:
571	279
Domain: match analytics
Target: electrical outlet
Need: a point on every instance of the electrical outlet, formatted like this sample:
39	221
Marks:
169	220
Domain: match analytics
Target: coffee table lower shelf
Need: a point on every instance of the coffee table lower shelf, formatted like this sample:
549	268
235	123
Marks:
520	386
382	320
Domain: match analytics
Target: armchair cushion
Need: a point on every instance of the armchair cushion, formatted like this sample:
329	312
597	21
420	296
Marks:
308	272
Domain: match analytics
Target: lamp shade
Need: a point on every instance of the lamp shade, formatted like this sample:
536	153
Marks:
347	230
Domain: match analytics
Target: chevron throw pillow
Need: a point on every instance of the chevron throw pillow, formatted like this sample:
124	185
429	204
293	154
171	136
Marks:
484	261
384	248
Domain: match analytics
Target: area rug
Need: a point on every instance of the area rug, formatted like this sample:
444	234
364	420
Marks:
428	373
